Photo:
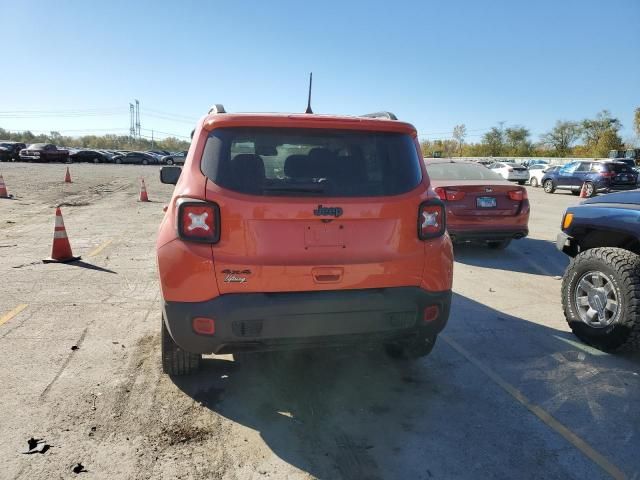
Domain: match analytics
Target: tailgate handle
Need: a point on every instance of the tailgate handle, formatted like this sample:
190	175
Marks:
327	274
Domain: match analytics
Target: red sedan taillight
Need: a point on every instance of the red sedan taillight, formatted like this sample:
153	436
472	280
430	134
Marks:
448	194
431	219
517	195
198	221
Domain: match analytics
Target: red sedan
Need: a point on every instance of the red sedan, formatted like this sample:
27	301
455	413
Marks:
481	206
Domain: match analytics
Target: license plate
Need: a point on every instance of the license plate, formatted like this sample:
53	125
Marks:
624	178
486	202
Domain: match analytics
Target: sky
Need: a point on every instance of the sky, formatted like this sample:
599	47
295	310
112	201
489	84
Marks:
74	66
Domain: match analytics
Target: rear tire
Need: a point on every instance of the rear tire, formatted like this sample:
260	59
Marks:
176	361
591	189
499	245
548	186
621	269
521	182
534	182
412	349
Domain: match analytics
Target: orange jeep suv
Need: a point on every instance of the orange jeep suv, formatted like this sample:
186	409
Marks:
298	231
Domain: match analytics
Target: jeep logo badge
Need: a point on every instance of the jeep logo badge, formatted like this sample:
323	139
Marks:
331	211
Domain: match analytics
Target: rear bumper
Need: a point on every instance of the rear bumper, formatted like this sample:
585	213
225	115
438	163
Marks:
268	321
487	235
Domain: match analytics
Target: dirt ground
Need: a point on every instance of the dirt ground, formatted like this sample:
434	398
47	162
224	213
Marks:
508	392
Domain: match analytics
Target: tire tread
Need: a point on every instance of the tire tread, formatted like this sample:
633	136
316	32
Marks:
627	266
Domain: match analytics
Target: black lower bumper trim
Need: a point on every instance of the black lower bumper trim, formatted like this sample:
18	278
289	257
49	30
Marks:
267	321
488	235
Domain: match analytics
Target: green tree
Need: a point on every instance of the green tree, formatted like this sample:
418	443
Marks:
600	131
562	137
494	141
459	134
517	141
609	140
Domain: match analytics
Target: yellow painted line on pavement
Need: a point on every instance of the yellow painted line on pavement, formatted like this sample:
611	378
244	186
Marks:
8	316
593	455
100	248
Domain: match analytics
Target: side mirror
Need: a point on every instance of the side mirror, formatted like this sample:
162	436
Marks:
170	175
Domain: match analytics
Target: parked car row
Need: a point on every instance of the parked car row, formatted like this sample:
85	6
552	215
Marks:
48	152
595	175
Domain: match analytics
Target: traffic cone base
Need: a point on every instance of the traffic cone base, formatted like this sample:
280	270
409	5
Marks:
143	192
3	189
61	248
583	191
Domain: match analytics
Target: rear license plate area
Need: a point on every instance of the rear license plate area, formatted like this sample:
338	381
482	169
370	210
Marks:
486	202
323	234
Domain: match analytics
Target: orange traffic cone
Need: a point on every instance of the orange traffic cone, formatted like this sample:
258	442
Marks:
67	177
61	250
3	189
143	192
583	191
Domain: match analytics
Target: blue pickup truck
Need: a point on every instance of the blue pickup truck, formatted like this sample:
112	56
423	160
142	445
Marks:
601	286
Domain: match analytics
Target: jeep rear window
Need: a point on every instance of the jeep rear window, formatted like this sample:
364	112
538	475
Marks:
328	163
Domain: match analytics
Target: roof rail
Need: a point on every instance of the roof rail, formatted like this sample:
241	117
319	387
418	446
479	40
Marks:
217	108
385	115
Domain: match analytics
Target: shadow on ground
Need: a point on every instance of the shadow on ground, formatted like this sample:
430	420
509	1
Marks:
528	255
344	414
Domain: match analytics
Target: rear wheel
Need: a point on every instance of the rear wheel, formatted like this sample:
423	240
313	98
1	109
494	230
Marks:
534	182
176	361
169	161
411	349
499	245
521	182
548	186
145	162
590	188
601	298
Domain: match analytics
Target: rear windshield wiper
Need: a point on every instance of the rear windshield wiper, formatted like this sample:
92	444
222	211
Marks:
294	189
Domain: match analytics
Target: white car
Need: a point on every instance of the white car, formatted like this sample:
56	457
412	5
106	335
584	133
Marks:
511	171
536	172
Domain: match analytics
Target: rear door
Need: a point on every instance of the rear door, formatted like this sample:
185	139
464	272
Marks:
309	210
565	175
581	174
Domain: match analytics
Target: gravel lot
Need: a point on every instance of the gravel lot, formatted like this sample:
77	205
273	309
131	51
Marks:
507	393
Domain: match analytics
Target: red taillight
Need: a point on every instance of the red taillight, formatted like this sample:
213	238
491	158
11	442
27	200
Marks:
198	221
430	314
517	195
608	174
431	219
449	194
204	326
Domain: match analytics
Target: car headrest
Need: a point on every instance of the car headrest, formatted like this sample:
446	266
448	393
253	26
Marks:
319	163
294	166
247	172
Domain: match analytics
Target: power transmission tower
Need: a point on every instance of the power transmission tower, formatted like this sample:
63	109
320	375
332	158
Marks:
138	118
132	126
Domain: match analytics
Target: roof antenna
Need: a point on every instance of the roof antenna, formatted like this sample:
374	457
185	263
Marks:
309	100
